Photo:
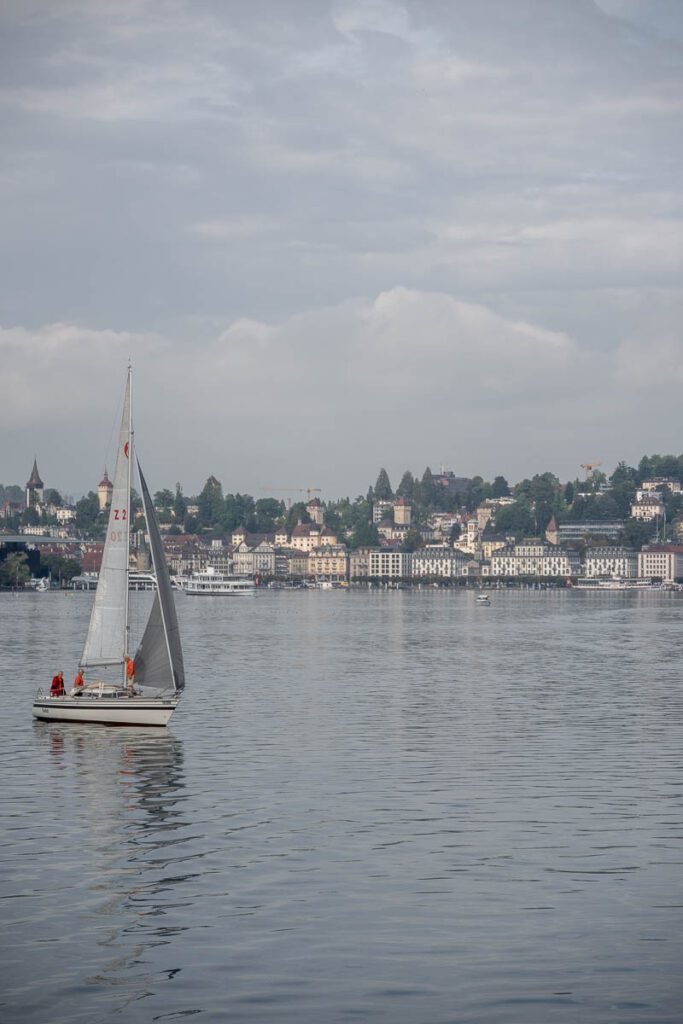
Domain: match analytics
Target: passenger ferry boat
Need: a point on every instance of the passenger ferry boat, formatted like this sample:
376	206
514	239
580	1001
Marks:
623	583
215	584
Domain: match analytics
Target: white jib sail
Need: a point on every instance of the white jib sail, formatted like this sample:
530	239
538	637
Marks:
105	643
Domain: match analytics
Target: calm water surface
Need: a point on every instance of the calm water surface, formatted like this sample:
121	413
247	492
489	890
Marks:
370	806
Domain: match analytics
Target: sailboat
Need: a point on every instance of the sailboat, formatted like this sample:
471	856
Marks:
113	694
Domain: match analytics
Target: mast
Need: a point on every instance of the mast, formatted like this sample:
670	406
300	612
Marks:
126	623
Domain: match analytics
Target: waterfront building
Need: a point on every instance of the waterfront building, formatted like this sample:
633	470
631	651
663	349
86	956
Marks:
258	560
534	557
610	530
389	564
438	561
610	561
297	564
359	563
329	562
661	561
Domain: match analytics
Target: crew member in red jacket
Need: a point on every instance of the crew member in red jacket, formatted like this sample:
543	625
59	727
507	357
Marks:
130	676
57	686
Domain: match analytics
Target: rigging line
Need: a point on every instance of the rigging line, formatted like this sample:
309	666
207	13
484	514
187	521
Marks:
110	450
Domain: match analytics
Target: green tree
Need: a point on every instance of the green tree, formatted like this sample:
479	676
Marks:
624	474
406	488
636	533
88	514
412	540
14	570
179	504
297	513
210	503
13	493
239	510
59	567
428	489
475	492
267	511
383	491
164	499
500	488
364	535
30	517
516	519
53	497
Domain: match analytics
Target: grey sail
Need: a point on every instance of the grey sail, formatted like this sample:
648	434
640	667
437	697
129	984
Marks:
105	643
159	658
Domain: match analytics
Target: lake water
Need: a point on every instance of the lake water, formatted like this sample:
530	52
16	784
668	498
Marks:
370	806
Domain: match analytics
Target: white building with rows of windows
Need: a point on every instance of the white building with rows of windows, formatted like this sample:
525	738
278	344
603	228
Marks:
387	564
435	561
535	558
661	561
607	562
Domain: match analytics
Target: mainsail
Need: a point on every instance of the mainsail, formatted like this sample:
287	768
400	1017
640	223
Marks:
159	658
105	643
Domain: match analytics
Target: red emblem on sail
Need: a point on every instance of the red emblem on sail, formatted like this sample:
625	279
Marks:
125	449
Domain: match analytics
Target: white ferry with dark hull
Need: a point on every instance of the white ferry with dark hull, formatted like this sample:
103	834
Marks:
211	583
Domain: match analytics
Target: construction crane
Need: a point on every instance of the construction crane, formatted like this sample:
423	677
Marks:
308	491
588	467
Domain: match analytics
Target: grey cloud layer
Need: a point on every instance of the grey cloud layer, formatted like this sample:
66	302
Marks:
189	170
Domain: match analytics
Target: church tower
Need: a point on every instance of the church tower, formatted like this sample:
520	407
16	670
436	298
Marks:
104	491
34	487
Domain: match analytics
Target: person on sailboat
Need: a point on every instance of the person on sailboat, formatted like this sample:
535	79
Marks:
79	683
130	675
57	685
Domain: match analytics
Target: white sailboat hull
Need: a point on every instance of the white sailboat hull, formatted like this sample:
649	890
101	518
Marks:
105	710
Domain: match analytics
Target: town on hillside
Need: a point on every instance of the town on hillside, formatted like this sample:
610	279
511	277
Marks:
438	528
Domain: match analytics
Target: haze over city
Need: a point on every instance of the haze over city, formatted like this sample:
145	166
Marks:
334	236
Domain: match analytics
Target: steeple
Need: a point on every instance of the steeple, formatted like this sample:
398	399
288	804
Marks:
552	533
104	491
34	479
34	487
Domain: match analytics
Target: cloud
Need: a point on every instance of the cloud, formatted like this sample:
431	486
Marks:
213	187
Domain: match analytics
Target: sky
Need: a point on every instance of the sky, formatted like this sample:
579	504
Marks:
336	235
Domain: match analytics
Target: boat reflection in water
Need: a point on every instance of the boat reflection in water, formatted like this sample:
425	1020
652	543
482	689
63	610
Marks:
128	786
